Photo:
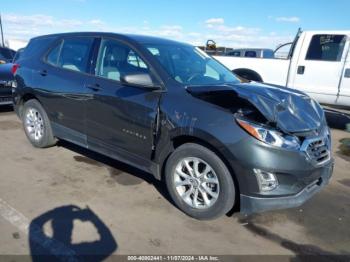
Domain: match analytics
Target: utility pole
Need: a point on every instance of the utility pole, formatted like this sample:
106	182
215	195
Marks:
2	33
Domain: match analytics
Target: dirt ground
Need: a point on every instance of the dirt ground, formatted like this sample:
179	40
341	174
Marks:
66	199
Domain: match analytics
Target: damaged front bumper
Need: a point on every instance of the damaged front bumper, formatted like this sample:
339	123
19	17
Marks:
252	204
280	150
298	174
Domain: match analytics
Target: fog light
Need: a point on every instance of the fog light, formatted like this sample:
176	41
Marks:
267	181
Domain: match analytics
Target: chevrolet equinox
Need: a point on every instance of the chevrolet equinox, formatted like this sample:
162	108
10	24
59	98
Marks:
169	109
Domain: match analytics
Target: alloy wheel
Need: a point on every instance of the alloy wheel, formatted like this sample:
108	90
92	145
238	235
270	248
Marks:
34	124
196	183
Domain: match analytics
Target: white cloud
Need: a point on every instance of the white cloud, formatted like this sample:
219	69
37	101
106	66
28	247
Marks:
170	31
39	20
96	22
288	19
27	26
211	22
218	24
21	27
240	36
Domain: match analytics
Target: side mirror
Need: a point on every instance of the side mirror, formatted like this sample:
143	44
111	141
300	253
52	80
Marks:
143	80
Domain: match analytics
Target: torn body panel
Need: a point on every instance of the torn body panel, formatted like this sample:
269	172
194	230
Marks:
290	110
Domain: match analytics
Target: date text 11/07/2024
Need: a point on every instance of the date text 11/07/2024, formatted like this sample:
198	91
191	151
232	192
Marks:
173	258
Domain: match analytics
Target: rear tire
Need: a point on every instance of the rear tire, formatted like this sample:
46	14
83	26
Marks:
37	125
199	182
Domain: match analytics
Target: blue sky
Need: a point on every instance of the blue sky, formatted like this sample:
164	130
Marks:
232	23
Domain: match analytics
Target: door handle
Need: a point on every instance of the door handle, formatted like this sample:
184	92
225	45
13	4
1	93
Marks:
43	72
95	87
301	70
347	73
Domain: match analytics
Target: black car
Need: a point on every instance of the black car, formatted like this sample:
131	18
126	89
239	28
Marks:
17	55
6	76
6	83
170	109
6	55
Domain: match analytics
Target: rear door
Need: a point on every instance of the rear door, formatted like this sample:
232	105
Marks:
120	118
61	83
320	66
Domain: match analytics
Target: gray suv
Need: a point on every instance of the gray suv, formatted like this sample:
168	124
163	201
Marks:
170	109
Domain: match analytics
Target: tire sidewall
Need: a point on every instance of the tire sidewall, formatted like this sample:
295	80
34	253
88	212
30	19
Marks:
226	197
47	138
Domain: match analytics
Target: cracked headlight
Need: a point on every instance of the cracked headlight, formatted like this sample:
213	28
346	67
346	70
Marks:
270	136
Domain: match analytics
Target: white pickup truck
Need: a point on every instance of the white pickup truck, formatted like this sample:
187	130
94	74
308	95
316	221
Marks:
318	63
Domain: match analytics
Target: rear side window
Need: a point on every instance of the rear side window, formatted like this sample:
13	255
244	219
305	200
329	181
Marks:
326	47
18	55
36	47
52	57
2	55
235	53
72	54
268	54
5	53
250	54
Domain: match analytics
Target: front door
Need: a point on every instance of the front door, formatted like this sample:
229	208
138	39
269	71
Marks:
320	65
120	118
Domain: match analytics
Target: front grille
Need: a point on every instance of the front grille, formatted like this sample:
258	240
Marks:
318	149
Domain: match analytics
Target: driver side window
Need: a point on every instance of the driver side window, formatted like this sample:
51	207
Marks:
210	72
116	59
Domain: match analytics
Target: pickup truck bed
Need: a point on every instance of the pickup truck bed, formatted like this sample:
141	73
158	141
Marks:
273	70
318	64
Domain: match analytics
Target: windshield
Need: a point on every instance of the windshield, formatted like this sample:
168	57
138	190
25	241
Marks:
191	66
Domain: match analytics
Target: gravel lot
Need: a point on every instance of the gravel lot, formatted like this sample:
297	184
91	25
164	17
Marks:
66	198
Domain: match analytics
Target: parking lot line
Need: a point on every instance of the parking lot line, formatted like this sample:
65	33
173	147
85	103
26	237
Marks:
22	223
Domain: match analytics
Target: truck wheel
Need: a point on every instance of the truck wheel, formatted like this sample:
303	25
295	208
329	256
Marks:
199	182
37	125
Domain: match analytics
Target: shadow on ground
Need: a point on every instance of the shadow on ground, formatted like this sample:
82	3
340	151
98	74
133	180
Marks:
59	246
6	109
303	252
122	173
325	218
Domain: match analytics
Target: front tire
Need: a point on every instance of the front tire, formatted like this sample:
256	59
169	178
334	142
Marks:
199	182
37	125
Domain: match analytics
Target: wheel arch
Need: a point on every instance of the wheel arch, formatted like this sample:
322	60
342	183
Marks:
24	98
179	140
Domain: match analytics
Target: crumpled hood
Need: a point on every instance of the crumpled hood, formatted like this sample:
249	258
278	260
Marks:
291	110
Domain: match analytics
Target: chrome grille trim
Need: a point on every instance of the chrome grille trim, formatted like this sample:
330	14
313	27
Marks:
318	149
